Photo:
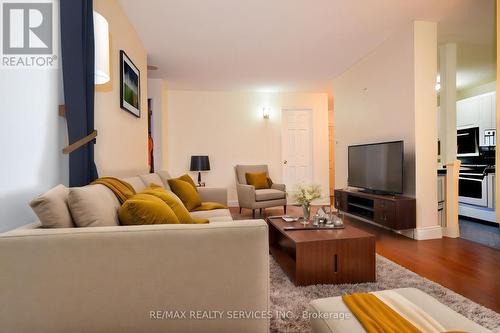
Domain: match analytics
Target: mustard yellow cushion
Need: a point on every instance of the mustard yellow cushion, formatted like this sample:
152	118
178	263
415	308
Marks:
257	179
209	206
187	178
169	198
146	209
186	192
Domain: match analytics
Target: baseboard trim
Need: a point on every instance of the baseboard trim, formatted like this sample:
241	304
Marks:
434	232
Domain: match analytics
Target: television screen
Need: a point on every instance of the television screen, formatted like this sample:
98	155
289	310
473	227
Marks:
377	166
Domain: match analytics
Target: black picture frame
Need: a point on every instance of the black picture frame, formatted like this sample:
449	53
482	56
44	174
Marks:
130	89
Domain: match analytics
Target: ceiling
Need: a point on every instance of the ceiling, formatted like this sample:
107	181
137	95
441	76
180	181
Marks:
292	45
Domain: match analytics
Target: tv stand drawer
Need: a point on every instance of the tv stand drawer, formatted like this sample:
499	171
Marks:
385	213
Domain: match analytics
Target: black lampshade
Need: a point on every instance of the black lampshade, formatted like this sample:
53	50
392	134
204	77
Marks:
199	163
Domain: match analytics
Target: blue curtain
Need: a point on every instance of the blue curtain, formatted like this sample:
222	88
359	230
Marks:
77	46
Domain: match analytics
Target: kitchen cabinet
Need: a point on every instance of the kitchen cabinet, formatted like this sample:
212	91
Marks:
478	111
468	112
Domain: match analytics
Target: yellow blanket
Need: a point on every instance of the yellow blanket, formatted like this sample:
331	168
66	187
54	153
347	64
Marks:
120	188
378	317
209	206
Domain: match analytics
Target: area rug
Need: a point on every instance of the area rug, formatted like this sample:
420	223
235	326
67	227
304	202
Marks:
285	296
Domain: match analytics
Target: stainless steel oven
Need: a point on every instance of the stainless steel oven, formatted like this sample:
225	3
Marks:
475	187
468	142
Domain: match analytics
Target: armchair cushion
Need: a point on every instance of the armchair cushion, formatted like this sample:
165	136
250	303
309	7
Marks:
241	170
269	194
259	180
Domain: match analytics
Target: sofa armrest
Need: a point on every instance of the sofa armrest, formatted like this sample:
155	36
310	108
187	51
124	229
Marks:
246	195
213	194
280	187
120	276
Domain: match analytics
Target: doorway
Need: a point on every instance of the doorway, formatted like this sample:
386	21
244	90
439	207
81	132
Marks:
296	147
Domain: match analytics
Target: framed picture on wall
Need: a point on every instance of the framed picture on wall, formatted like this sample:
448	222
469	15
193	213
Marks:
130	89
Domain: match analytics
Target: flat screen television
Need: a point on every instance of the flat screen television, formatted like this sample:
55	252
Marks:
377	167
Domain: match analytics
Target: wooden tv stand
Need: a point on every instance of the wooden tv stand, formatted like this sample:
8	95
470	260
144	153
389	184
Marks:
391	211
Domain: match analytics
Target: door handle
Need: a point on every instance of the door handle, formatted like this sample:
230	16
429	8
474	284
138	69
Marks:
285	162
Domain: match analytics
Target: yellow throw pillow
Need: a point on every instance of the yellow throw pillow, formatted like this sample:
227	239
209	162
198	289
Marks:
169	198
186	192
187	178
257	179
146	209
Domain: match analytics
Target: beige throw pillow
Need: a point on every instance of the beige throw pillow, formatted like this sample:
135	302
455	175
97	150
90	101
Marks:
52	208
93	206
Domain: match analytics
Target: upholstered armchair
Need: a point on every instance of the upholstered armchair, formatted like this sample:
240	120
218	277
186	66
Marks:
250	198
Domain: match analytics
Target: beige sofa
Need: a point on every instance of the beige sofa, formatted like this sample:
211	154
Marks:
136	278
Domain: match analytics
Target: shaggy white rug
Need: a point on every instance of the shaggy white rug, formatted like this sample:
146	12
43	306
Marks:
285	296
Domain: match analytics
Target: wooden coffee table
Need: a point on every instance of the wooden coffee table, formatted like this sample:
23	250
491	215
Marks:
323	256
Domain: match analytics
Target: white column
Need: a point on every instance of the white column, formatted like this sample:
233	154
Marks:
448	102
425	66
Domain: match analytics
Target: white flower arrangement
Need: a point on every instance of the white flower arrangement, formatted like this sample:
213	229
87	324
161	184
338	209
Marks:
305	194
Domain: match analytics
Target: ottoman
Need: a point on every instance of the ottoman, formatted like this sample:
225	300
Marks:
338	318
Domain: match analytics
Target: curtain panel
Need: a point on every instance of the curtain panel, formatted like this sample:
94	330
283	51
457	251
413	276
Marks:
77	50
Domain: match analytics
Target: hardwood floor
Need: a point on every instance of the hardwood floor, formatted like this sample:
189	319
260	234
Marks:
468	268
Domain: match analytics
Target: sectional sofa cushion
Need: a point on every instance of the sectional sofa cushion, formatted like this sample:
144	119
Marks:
151	178
136	183
211	214
52	208
93	206
145	208
164	176
185	191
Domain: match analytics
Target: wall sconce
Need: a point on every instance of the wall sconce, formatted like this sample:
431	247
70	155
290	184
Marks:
101	49
266	112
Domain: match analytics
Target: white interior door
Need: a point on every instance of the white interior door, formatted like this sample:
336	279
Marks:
296	147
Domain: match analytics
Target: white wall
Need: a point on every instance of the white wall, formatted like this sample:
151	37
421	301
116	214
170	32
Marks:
157	92
122	144
389	95
374	101
229	127
32	137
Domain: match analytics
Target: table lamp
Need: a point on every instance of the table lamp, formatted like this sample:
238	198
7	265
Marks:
199	163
